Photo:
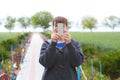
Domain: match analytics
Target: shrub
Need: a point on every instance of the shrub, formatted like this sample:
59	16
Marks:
111	64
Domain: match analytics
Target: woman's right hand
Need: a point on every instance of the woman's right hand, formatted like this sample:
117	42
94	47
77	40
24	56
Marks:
55	36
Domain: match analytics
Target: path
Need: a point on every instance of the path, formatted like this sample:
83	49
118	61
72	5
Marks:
31	69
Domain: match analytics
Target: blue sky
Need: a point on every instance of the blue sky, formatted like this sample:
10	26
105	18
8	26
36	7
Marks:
74	10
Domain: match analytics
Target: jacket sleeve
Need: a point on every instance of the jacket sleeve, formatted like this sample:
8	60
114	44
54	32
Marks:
47	54
75	54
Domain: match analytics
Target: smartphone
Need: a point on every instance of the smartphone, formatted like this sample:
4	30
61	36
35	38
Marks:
60	28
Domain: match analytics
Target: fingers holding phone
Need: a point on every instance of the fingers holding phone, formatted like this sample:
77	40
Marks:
67	37
55	37
60	33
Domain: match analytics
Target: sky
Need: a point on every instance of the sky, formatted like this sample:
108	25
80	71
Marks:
74	10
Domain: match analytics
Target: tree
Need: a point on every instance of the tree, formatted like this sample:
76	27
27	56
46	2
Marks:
89	22
10	23
24	21
42	19
111	21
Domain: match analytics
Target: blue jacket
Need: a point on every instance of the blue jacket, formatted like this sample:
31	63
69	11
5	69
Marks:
60	63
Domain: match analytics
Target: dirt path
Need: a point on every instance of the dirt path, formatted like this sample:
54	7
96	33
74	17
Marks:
31	69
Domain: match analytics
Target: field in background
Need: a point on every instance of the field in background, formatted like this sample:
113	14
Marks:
105	39
111	39
7	35
100	46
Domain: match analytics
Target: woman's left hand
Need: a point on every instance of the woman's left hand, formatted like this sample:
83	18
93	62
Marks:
67	37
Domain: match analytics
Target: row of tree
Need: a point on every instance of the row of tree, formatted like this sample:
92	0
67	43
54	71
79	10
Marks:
40	19
43	19
91	22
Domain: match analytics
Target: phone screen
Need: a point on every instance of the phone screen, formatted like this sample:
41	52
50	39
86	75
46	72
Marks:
60	28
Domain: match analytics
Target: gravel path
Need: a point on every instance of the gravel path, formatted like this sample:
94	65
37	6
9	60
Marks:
31	69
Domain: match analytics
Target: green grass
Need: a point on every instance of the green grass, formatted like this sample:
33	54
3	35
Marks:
103	39
6	35
111	39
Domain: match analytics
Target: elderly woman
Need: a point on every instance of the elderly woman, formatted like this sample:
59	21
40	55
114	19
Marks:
61	54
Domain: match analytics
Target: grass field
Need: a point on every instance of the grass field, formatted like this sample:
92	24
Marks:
5	35
111	39
105	40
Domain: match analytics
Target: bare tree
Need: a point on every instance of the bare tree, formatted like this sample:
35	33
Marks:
111	21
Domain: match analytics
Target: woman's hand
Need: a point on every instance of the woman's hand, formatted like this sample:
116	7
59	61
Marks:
67	37
55	36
